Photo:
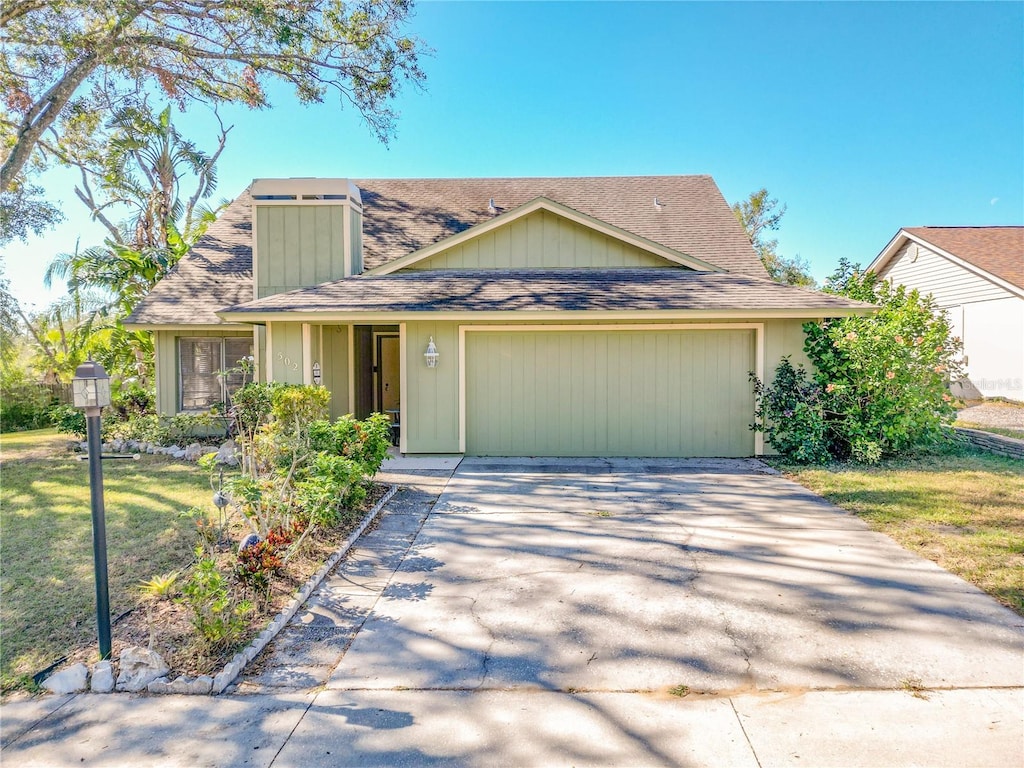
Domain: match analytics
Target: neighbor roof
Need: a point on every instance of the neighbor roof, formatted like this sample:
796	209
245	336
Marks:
404	215
997	250
562	290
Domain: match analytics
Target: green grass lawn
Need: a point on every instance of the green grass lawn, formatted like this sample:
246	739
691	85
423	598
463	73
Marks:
965	512
47	588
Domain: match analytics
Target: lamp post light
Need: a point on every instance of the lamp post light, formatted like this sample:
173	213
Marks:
91	391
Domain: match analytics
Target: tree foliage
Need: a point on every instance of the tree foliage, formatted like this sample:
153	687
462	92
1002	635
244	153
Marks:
67	64
759	215
881	382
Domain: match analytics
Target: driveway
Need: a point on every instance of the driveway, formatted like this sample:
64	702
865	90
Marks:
597	612
619	575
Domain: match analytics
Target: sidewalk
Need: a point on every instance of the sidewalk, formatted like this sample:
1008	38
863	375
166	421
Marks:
517	728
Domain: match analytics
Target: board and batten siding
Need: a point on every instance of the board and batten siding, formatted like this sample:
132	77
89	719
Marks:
335	364
609	392
165	345
298	246
430	419
541	240
917	266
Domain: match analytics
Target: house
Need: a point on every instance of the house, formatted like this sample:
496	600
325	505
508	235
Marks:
976	275
517	316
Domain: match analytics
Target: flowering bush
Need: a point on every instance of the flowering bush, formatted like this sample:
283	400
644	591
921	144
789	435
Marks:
790	412
882	380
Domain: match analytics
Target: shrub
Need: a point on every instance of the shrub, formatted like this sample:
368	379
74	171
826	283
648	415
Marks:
24	404
790	413
69	420
256	564
885	376
332	484
880	384
217	616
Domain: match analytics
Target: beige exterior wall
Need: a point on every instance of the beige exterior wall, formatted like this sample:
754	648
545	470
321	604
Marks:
541	240
165	345
986	316
951	284
298	246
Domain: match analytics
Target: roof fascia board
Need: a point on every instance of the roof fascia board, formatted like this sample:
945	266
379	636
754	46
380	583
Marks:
544	203
526	316
890	250
185	327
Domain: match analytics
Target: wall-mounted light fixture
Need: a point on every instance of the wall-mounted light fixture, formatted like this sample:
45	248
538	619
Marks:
431	355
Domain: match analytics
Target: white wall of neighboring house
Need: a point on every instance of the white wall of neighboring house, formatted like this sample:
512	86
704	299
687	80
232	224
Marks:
988	317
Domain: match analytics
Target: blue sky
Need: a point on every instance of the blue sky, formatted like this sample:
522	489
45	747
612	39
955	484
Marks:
861	117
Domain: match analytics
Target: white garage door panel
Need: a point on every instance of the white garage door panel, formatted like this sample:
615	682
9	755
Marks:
609	393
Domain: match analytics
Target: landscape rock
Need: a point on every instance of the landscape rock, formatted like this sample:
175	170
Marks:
140	667
70	680
102	677
202	685
193	451
178	454
182	684
228	454
160	685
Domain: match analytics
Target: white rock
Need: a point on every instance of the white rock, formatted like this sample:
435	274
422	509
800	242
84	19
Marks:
70	680
178	454
193	451
102	677
160	685
228	454
180	685
139	667
201	685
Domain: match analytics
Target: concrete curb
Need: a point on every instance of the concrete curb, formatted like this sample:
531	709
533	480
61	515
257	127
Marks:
204	685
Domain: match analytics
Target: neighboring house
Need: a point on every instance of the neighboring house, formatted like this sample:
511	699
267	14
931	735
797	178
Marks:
976	275
570	316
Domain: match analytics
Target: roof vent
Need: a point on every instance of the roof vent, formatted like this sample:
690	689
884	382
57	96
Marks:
657	204
491	209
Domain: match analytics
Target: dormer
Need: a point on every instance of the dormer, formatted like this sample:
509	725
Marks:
305	232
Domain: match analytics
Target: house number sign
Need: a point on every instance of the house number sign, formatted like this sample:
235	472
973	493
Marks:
316	373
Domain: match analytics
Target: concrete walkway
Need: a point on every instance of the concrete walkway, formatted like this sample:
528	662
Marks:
552	612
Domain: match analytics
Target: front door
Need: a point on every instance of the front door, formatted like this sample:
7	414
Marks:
388	376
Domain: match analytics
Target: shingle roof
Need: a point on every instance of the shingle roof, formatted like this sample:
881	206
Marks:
572	290
217	272
997	250
404	215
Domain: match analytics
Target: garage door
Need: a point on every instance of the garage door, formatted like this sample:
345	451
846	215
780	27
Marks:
609	393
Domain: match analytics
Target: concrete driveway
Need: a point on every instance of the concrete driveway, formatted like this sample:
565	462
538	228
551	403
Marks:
553	612
620	575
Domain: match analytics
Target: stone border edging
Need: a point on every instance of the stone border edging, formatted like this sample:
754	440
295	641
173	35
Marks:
234	668
989	441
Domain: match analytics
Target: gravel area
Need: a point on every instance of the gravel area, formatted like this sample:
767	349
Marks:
1002	415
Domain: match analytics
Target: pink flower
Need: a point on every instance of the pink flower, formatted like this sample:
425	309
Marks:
939	368
918	340
890	374
946	397
830	388
899	339
851	336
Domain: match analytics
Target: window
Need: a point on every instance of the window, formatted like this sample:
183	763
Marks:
202	364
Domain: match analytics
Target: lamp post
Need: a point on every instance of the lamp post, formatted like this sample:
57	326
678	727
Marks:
91	390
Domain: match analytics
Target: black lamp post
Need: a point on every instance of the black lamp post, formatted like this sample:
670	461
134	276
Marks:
91	389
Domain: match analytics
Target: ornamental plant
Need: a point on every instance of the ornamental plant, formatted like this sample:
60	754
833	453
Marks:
881	382
790	412
885	376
